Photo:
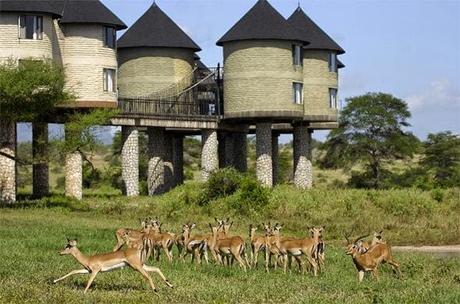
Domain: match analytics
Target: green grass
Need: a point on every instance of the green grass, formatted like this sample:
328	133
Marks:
34	231
31	239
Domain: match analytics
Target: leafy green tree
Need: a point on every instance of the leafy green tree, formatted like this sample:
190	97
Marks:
371	131
30	89
442	158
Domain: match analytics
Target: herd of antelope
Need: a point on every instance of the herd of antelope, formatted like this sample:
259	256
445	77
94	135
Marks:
150	240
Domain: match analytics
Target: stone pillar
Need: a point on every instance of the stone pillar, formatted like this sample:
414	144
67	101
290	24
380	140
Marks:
130	160
303	174
209	153
156	170
221	140
275	152
264	169
229	150
74	175
40	170
178	159
7	161
168	162
240	150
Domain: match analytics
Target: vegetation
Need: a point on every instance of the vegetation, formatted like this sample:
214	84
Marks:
371	131
30	89
34	231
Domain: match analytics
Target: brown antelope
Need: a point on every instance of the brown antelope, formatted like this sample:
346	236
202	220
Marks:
257	244
109	261
376	239
369	260
272	243
307	246
195	245
228	246
159	240
120	233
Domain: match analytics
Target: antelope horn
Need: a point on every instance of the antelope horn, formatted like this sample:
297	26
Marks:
361	237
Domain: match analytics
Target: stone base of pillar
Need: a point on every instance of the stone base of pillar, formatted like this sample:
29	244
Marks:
264	169
178	159
40	170
240	150
209	153
156	171
74	175
275	154
303	171
130	160
7	161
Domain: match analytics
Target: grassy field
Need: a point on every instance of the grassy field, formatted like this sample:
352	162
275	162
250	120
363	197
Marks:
32	234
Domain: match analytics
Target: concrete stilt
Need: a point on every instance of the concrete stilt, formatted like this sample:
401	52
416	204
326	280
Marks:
264	169
275	157
40	170
178	159
7	161
168	162
209	153
156	170
303	173
240	150
130	160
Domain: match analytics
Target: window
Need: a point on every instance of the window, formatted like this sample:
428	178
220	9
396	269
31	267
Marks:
109	80
333	99
332	62
297	89
110	37
297	55
31	27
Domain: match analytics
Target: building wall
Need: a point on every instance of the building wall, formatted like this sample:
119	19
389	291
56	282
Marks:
258	79
13	47
84	57
143	71
317	81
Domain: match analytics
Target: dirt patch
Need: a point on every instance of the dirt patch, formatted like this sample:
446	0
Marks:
441	250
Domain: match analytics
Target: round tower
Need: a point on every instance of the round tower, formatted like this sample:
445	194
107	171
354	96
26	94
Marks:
27	29
263	67
154	54
320	69
89	52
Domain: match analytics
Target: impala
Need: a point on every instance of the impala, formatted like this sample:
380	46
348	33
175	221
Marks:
109	261
159	240
119	234
369	260
228	246
195	245
257	244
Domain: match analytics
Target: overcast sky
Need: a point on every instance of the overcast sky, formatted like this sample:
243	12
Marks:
409	48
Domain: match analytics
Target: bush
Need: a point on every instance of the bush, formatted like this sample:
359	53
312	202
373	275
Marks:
91	176
251	195
222	183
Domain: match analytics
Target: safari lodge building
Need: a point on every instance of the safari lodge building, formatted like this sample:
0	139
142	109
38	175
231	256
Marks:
279	76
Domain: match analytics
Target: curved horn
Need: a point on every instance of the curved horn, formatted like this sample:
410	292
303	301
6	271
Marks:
361	237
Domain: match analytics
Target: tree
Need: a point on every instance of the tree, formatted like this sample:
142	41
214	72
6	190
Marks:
30	89
442	158
371	131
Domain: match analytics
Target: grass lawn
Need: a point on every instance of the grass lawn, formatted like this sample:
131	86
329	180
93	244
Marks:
31	238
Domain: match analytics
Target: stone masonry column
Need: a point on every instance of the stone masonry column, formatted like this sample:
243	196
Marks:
74	175
40	170
156	170
7	161
130	160
178	159
275	154
209	153
264	168
240	147
168	162
303	173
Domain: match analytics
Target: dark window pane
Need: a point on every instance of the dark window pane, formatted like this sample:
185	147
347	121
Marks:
110	37
30	27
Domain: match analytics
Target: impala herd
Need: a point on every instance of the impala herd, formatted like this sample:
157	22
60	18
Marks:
279	250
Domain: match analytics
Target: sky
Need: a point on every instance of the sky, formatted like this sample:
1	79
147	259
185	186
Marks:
409	48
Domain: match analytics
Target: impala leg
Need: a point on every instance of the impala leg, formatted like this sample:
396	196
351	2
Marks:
267	260
299	263
168	253
145	275
375	274
158	271
360	275
91	279
205	254
80	271
239	259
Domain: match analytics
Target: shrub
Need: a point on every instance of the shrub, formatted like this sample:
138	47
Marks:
252	194
222	183
91	176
